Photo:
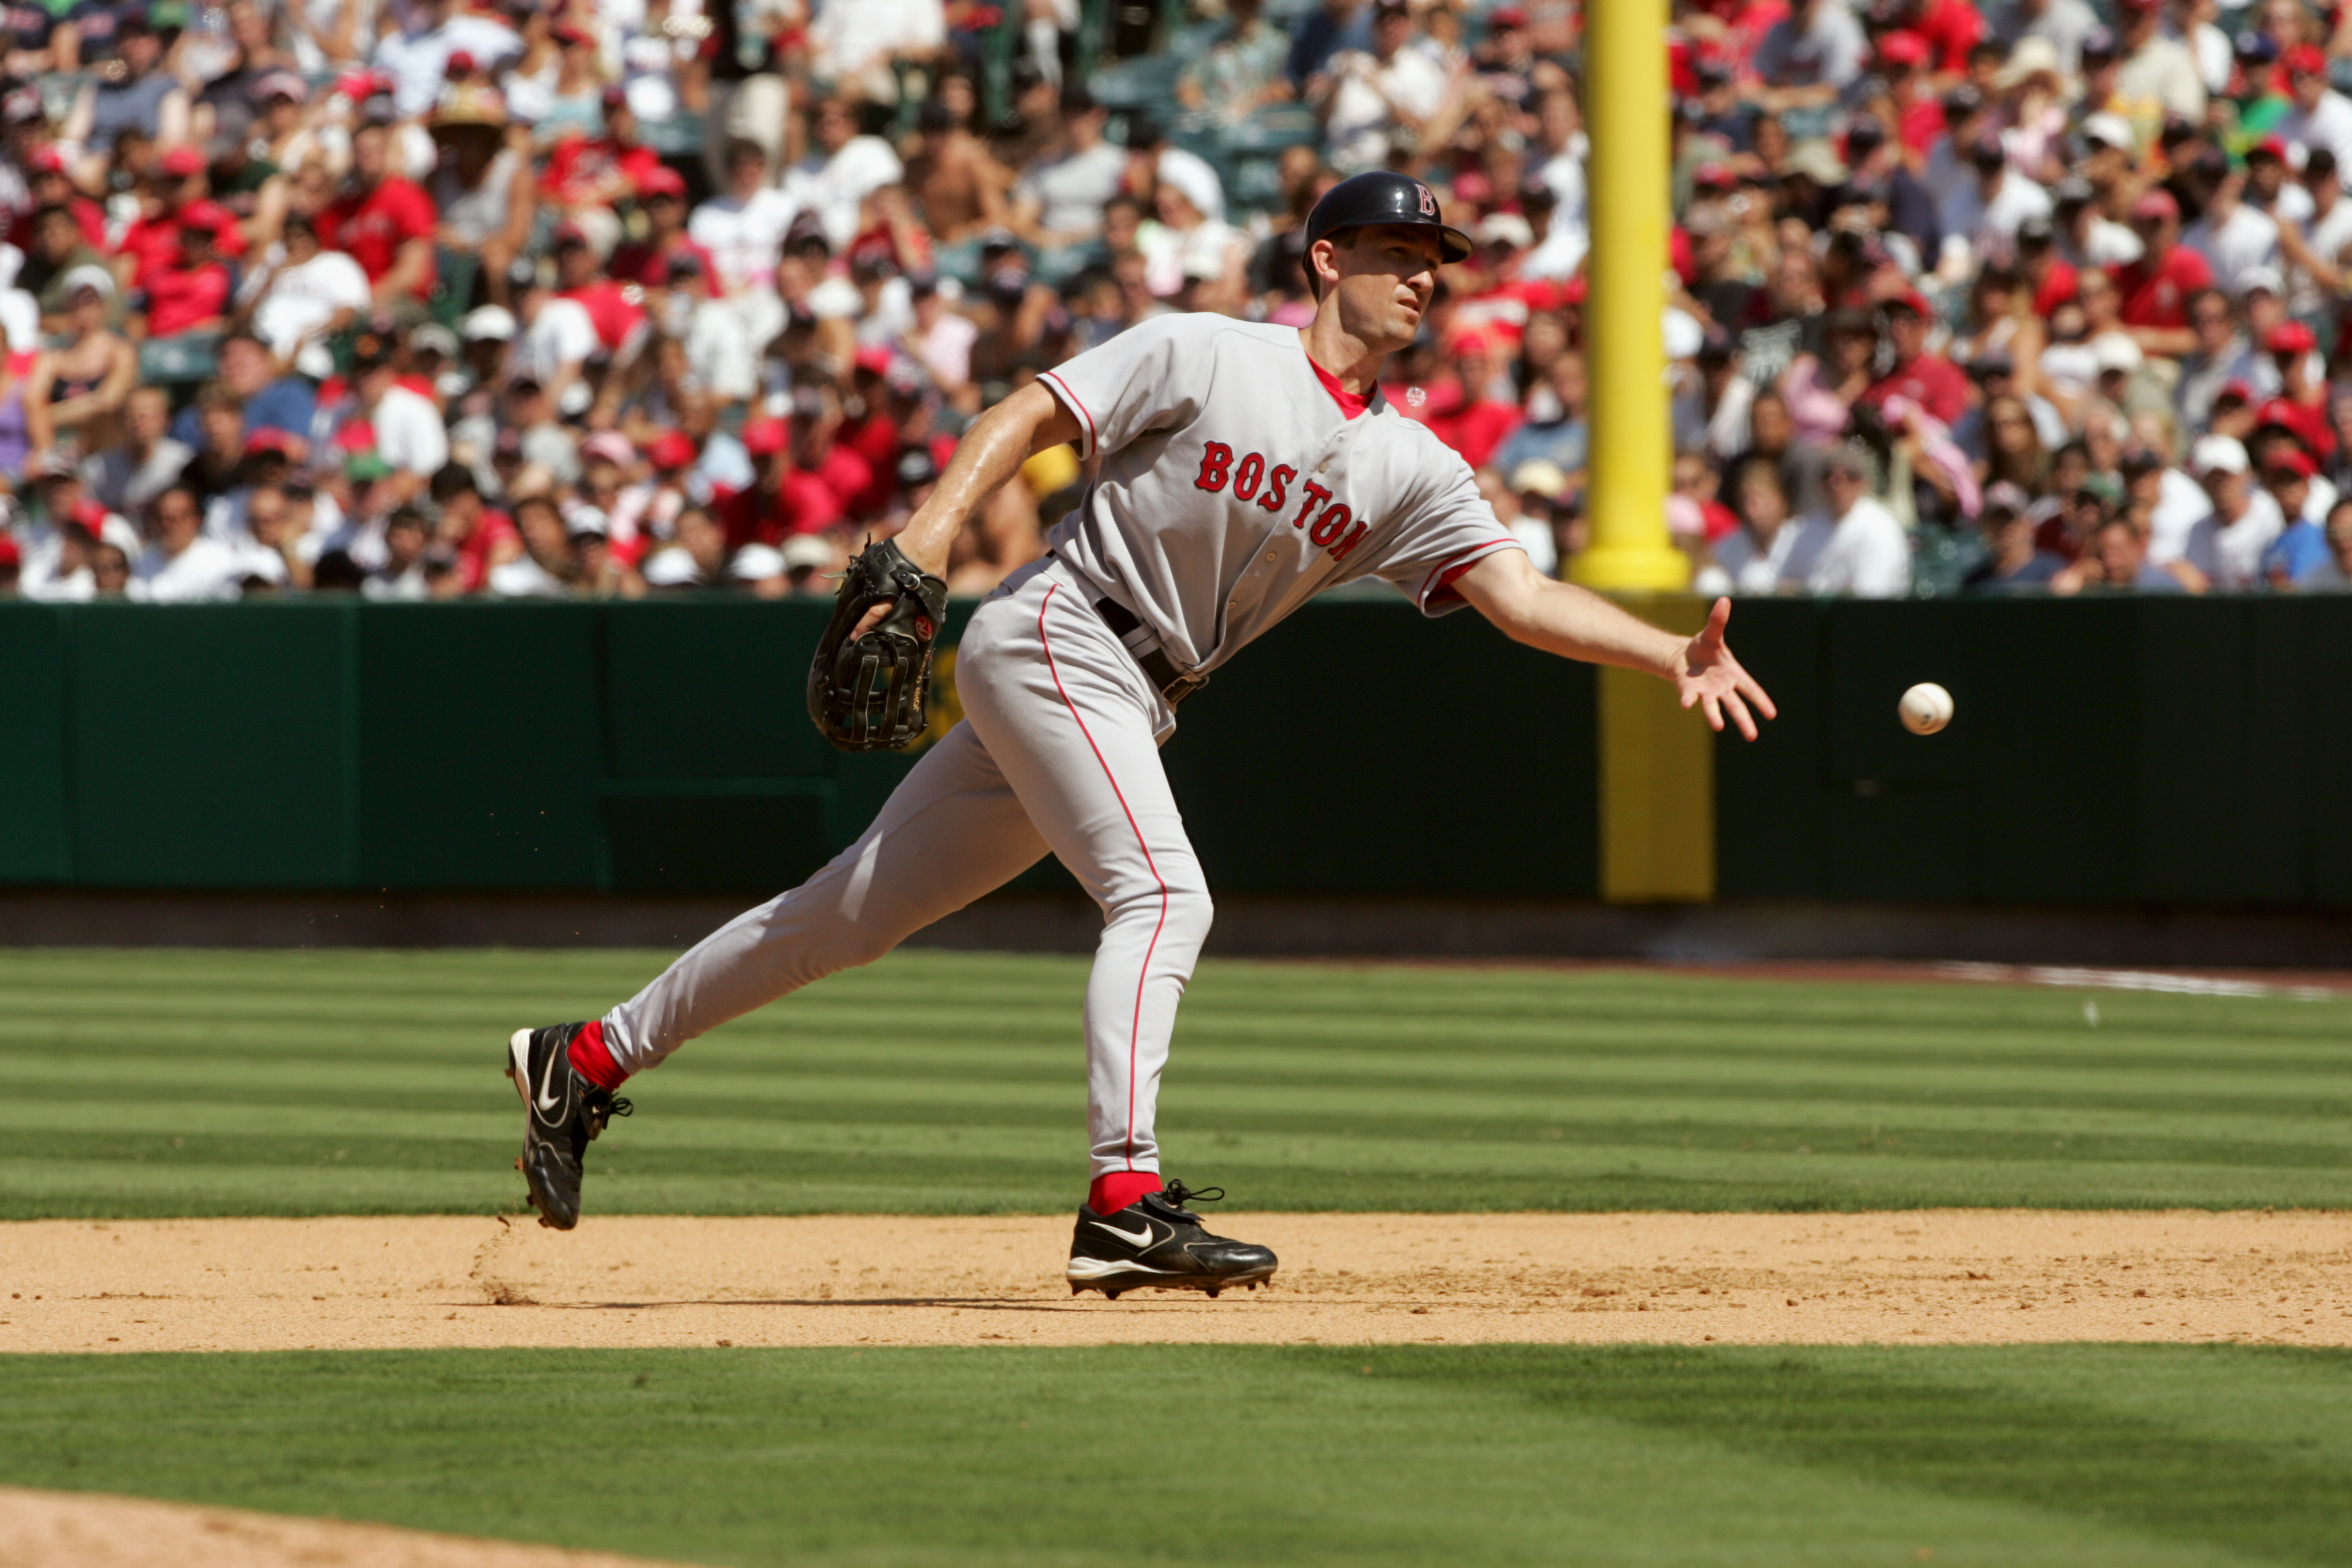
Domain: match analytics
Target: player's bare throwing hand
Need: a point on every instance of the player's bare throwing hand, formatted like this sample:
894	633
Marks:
1240	470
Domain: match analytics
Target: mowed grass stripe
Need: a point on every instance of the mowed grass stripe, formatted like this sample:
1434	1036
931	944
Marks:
2041	1457
1298	1086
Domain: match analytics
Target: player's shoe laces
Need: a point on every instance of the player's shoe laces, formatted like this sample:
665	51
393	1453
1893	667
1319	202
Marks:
1156	1241
561	1112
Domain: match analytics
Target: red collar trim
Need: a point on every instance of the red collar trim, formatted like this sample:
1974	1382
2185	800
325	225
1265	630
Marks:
1350	403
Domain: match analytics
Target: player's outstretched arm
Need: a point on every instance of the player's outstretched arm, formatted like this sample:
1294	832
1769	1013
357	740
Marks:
1563	619
990	452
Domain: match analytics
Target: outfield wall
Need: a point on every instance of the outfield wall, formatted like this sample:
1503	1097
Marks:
2118	753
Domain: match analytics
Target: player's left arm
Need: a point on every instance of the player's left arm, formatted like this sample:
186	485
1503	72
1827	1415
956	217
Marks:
1574	622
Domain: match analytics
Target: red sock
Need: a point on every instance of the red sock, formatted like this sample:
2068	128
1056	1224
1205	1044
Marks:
591	1061
1115	1192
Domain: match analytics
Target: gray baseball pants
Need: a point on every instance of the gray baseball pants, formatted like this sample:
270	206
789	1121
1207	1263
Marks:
1058	752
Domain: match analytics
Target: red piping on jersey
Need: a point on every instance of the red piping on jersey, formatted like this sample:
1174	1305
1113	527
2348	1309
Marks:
1071	398
1135	1029
1350	403
1442	589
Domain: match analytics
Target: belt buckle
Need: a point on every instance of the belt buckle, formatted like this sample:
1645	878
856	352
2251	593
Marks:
1184	686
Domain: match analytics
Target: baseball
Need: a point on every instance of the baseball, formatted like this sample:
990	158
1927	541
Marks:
1925	708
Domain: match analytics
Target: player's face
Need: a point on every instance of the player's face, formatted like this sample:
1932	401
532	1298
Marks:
1386	277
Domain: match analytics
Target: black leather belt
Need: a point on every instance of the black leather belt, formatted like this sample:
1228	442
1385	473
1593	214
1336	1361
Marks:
1174	684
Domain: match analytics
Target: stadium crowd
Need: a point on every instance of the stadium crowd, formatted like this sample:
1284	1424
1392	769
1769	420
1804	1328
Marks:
433	298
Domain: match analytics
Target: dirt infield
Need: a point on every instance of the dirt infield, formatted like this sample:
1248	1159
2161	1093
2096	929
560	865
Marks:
1924	1276
69	1529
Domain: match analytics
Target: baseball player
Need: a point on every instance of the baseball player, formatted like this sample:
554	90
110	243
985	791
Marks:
1240	470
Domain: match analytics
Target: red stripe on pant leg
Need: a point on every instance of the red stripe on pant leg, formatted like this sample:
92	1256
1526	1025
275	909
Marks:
1135	1029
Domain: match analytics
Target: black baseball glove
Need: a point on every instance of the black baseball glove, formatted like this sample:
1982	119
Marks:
865	693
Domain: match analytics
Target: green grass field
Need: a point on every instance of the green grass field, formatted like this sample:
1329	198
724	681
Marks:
2069	1457
211	1083
151	1083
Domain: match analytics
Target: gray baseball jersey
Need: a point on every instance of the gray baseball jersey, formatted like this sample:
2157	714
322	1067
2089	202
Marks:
1233	487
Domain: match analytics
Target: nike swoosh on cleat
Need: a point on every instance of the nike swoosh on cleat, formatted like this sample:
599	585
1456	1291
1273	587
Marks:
549	1102
1139	1239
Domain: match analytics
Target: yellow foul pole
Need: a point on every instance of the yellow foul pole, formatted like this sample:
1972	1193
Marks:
1626	105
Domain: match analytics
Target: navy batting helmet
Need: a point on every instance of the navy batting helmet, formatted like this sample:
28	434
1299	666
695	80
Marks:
1384	197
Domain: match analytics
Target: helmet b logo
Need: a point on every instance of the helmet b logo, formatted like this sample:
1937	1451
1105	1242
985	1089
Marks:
1428	202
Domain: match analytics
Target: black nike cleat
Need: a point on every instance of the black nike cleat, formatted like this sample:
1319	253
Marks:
561	1113
1156	1241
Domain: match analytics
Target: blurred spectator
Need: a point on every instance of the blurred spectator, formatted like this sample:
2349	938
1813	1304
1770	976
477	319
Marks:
181	566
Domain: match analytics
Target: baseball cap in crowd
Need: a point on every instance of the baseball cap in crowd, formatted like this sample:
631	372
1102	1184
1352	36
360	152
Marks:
2032	57
2104	489
807	228
210	218
2234	391
2116	351
2260	280
671	450
90	275
2074	191
671	568
1713	176
2007	498
2099	44
1504	16
2290	338
489	323
1865	136
2253	47
1902	47
365	468
1910	300
2291	461
49	159
1987	152
758	563
1508	229
277	443
1962	101
2217	455
2304	60
276	84
1986	366
1538	476
2109	130
2270	149
2155	205
609	446
179	162
588	522
1817	161
765	437
2036	230
433	337
661	180
1847	458
916	467
523	274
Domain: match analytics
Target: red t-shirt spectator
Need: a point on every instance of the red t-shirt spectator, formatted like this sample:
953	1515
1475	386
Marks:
2058	286
608	305
1952	28
179	298
1931	381
490	531
576	169
2155	289
372	226
88	216
2309	422
875	439
1475	429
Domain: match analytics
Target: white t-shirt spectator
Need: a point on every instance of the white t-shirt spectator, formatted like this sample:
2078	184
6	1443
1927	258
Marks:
1864	555
1781	566
290	302
2243	241
1357	129
1989	227
847	39
834	187
409	435
2163	70
2180	505
2328	125
1072	189
1829	49
722	349
417	63
744	237
2064	22
561	334
205	572
523	578
2232	553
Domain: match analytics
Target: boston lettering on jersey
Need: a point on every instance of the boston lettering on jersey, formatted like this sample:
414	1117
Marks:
1329	529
